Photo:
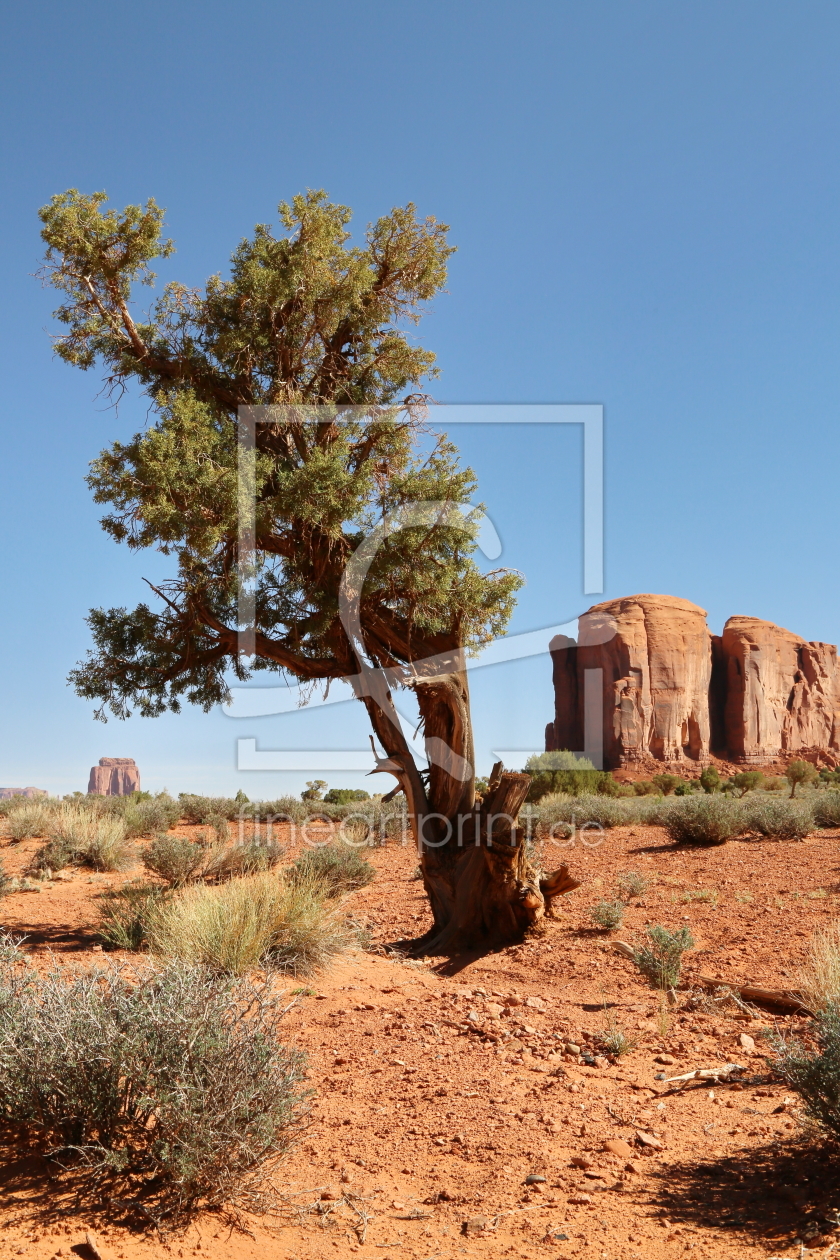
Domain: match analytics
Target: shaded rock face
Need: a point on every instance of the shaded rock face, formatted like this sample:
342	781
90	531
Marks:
782	694
670	691
655	657
114	776
28	792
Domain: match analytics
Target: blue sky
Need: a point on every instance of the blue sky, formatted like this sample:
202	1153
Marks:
645	203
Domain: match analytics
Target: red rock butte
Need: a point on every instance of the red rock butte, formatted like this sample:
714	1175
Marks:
673	692
114	776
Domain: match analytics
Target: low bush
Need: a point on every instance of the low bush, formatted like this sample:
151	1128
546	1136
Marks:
826	809
815	1076
666	783
252	856
77	836
172	1083
29	820
710	780
144	818
335	869
345	796
174	859
660	960
203	809
780	819
632	884
128	915
607	914
257	921
706	820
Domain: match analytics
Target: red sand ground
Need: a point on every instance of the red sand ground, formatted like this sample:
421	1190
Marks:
422	1134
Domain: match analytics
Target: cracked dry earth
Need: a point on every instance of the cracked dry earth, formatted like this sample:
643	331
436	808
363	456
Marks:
450	1119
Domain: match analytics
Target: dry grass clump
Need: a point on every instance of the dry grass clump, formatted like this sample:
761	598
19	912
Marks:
819	979
167	1086
780	819
77	836
632	884
257	921
29	820
180	861
705	820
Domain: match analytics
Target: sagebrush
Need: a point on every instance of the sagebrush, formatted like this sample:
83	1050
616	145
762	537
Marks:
660	959
171	1083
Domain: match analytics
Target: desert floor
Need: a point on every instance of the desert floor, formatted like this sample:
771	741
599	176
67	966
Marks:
423	1130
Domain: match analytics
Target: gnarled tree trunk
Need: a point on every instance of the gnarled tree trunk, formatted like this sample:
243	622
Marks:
482	884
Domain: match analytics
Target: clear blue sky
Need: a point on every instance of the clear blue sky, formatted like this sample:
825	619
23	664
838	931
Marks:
645	202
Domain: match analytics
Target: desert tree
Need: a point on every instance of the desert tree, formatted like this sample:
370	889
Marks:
316	330
800	772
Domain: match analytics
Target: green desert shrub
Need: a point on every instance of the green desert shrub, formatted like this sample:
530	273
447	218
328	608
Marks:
174	859
345	796
335	869
815	1075
780	819
145	818
607	914
172	1082
258	921
77	836
666	783
705	820
227	861
710	780
29	820
660	960
800	772
747	781
128	915
826	809
204	809
632	884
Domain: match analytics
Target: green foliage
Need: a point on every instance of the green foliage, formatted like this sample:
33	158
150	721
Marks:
77	835
660	960
303	320
203	809
705	820
815	1075
314	790
666	783
29	819
174	859
632	884
607	914
173	1083
345	796
685	787
334	868
710	779
800	772
128	915
145	817
747	781
780	819
826	810
646	787
565	772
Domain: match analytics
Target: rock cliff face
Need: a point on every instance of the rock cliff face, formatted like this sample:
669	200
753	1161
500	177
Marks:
29	792
670	691
782	694
655	657
114	776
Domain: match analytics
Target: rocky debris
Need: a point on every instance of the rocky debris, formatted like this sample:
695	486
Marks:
782	694
114	776
29	792
671	692
655	655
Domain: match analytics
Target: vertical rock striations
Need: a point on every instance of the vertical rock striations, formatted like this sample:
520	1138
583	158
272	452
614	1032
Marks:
114	776
655	657
670	692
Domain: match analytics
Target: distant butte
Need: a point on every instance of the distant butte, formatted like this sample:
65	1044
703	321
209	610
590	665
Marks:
672	692
114	776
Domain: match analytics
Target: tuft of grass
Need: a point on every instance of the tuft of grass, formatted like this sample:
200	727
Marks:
607	914
128	915
29	820
170	1086
145	818
706	895
77	836
744	897
705	820
819	978
249	858
174	859
257	921
632	884
335	868
660	960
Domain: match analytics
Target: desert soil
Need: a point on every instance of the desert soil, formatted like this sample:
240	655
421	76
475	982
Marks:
431	1109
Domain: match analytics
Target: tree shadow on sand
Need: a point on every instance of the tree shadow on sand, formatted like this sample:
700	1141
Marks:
770	1194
